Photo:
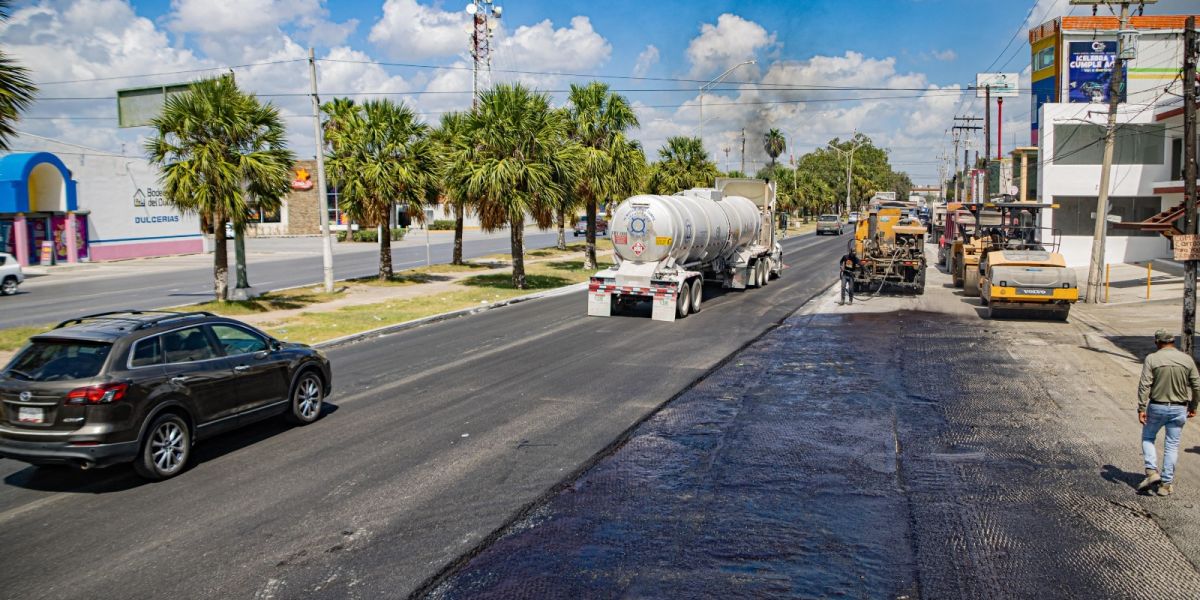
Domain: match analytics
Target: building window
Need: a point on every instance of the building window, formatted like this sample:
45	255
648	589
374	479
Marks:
259	216
1083	144
336	215
1074	214
1044	59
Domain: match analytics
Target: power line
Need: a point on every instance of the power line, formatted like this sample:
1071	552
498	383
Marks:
200	70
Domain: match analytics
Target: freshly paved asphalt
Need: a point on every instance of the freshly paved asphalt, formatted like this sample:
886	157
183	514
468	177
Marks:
434	439
62	296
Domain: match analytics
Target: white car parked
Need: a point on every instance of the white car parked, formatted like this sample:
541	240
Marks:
10	274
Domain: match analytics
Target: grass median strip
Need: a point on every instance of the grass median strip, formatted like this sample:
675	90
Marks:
455	289
315	326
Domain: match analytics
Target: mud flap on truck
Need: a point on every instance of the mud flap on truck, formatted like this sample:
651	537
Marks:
599	304
663	305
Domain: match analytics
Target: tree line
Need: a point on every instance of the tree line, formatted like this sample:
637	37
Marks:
513	159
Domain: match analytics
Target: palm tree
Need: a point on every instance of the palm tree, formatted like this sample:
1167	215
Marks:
774	144
381	154
683	163
516	158
16	89
451	128
598	116
221	153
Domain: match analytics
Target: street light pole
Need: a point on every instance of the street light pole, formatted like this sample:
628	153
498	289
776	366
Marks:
712	83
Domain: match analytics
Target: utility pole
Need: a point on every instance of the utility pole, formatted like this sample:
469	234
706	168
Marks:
727	149
1191	54
241	289
957	198
743	152
1116	82
966	165
849	166
987	140
322	195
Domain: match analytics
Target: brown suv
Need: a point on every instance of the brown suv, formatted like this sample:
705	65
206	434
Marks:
143	386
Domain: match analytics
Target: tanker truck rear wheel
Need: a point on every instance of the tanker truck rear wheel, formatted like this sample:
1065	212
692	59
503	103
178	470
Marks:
683	301
697	294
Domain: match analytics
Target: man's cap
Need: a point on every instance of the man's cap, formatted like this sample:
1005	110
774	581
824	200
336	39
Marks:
1161	336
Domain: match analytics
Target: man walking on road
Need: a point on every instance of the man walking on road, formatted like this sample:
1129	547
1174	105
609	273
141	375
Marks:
848	264
1167	395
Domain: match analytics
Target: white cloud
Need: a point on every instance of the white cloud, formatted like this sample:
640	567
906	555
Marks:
408	30
223	23
542	47
732	40
223	17
946	55
645	61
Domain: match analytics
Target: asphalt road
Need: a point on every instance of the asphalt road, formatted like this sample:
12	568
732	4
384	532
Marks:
433	440
58	297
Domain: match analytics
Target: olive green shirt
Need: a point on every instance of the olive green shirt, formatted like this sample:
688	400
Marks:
1169	376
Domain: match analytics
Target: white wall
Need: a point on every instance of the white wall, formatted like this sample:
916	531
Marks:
1084	180
107	186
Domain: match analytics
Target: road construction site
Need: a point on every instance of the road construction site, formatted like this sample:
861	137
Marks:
899	447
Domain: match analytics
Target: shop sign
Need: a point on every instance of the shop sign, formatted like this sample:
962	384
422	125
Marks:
1187	247
148	197
303	181
1090	71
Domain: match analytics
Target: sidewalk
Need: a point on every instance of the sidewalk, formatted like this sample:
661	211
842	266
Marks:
265	249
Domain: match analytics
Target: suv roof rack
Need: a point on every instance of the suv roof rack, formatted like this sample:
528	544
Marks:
151	318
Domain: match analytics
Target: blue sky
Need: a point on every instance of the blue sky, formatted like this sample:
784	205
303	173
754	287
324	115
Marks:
935	46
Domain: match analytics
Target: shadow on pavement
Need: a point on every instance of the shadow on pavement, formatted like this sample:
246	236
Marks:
120	477
1115	474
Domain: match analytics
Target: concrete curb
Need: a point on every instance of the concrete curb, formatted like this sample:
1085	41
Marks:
446	316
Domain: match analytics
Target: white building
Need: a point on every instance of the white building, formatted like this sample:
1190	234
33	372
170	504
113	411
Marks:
112	203
1070	154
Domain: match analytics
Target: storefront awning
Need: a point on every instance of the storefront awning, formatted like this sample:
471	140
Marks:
36	182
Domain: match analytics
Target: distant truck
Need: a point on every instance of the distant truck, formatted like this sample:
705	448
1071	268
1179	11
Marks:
668	247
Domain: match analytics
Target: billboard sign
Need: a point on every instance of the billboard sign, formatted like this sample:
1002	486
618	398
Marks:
1090	72
136	107
1003	85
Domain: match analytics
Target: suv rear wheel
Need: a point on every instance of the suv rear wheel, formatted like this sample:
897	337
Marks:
307	396
166	450
9	286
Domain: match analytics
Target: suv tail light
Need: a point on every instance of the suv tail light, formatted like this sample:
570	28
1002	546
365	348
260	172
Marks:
105	393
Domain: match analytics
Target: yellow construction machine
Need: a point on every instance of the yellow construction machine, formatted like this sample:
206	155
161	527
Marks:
1017	266
1028	280
891	247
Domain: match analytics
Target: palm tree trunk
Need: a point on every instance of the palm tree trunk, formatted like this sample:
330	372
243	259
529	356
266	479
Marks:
457	259
562	229
589	261
517	235
385	249
220	261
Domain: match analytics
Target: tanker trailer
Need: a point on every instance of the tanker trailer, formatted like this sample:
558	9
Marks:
667	247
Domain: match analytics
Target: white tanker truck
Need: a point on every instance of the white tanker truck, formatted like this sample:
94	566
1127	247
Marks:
667	247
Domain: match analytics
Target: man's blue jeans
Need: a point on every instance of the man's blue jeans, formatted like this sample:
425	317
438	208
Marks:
1173	417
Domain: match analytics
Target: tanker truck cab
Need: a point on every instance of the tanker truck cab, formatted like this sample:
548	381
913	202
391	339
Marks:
668	247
